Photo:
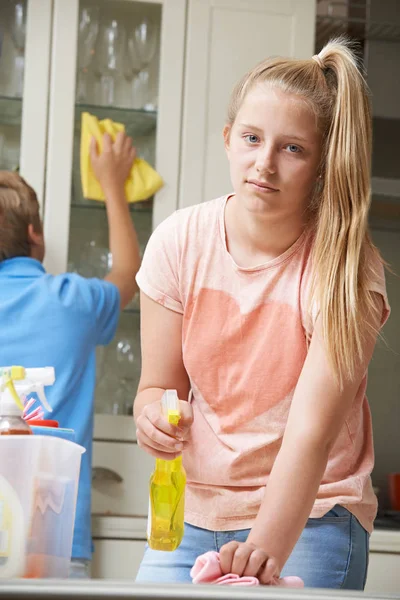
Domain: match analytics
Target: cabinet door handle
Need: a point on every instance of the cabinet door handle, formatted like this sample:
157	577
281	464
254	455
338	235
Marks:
104	474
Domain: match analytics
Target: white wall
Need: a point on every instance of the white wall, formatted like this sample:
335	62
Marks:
383	62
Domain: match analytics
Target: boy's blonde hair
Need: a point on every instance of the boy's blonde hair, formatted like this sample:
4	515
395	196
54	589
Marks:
19	207
335	90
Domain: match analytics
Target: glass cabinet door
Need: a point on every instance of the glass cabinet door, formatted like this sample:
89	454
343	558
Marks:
12	62
116	78
122	60
24	59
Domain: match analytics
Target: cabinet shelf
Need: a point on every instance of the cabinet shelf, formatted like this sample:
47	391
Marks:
138	123
145	207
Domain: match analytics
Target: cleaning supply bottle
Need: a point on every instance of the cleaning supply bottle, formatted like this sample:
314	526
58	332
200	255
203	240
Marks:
167	491
15	381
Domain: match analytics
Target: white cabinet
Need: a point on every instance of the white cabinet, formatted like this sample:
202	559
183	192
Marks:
116	559
25	47
204	47
383	573
62	205
119	544
384	563
121	473
225	38
202	50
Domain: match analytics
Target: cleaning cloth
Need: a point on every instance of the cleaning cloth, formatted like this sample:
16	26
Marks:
143	180
207	569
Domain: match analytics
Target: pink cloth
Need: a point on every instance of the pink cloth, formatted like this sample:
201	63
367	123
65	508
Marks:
207	569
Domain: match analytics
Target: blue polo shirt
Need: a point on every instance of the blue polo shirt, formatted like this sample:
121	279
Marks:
58	321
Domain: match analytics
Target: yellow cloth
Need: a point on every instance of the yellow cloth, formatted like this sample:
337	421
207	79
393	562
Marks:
143	180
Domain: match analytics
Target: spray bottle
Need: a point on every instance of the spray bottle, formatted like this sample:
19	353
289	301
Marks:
14	382
167	491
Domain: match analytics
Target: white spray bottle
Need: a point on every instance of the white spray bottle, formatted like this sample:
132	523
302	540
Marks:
17	382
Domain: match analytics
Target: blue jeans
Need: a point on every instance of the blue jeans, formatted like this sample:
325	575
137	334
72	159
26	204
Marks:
332	552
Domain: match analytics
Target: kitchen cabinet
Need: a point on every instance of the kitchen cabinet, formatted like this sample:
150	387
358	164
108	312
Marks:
116	559
383	573
165	69
142	64
278	27
224	28
25	49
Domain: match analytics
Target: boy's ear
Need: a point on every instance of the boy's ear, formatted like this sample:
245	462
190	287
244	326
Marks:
35	237
226	134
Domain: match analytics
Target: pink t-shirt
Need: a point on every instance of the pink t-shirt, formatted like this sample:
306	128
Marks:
244	345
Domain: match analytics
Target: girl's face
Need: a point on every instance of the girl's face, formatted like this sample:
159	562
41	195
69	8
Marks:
274	151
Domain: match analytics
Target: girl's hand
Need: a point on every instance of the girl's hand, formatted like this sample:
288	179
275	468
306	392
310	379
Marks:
244	558
160	438
113	165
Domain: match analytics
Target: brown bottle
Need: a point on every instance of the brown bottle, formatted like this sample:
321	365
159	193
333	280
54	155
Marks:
14	425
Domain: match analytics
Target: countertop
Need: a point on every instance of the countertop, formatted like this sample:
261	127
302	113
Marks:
97	590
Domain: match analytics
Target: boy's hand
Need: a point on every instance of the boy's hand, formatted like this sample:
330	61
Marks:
160	438
113	165
244	558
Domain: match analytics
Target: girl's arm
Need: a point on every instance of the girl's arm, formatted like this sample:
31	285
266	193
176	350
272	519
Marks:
317	414
162	368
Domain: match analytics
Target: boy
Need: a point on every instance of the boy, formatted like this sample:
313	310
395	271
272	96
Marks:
59	320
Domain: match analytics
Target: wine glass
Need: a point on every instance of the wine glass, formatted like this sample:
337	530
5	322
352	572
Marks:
95	260
110	54
132	70
146	41
18	35
87	35
1	34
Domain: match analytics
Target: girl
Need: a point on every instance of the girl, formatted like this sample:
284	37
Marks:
266	303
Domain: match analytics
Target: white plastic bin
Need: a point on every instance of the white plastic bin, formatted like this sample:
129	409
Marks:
39	478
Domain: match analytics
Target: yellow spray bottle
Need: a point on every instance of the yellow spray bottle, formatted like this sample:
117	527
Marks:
167	491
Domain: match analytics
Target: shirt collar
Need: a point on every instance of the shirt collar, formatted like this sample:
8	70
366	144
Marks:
21	266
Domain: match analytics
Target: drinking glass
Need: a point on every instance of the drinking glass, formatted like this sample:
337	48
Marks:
132	70
146	35
87	36
110	57
18	35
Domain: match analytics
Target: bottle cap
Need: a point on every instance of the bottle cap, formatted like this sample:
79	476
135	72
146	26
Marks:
170	405
43	423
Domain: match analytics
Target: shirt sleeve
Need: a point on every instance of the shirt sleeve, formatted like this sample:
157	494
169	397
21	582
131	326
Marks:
158	276
377	284
95	302
102	300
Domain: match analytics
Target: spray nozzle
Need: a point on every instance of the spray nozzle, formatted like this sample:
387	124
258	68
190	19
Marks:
19	380
170	405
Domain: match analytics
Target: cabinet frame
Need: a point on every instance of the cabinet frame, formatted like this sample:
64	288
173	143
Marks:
61	121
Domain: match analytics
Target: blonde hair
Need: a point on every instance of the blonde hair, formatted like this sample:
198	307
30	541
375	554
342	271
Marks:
333	87
19	207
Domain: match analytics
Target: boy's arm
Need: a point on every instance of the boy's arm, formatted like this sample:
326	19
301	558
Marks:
112	168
